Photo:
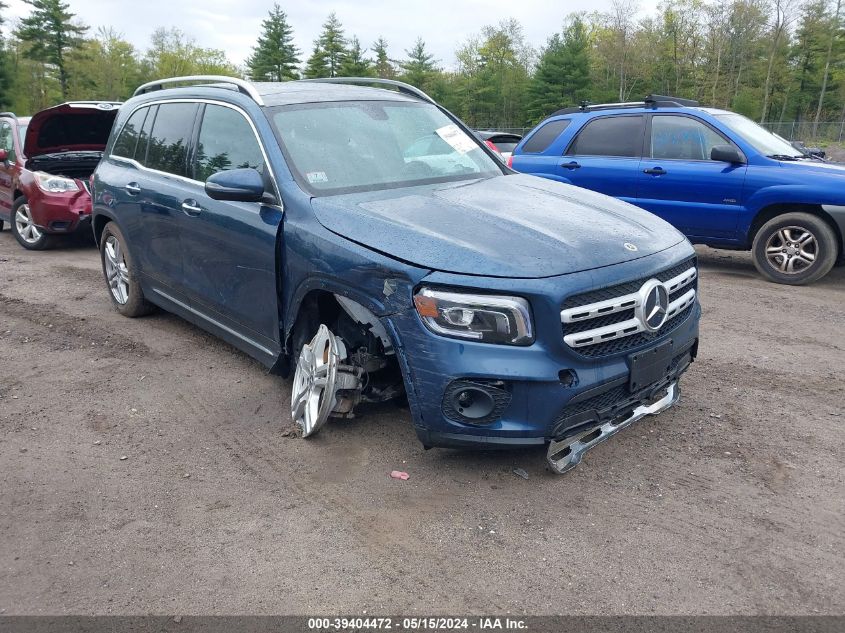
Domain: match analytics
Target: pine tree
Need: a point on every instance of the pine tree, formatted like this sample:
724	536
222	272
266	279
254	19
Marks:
5	75
383	67
275	57
329	51
355	64
562	76
52	35
420	66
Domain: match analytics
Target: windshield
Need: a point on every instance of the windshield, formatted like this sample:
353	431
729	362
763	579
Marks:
765	142
21	134
342	147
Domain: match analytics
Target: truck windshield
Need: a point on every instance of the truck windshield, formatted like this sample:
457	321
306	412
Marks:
342	147
765	142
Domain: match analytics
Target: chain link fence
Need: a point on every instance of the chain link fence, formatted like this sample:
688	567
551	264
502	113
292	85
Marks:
831	131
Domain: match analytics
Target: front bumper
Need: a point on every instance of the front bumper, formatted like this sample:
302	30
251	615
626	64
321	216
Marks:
60	213
540	406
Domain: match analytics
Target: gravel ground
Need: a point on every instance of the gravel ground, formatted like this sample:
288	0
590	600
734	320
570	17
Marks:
145	468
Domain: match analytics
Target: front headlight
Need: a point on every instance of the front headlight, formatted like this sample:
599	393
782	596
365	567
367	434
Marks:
54	184
484	318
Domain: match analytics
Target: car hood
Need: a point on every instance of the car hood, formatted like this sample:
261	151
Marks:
815	167
70	127
507	226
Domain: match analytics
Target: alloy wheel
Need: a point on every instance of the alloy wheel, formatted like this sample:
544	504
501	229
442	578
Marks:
791	250
25	225
313	397
117	272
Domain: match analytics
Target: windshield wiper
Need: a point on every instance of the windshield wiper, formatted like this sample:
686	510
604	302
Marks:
789	157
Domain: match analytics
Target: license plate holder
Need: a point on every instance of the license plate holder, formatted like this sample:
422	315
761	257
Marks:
650	365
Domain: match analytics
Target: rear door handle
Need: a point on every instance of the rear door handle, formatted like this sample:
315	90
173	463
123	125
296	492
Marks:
655	171
191	207
571	165
133	188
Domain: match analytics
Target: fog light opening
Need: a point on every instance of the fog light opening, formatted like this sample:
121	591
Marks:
473	403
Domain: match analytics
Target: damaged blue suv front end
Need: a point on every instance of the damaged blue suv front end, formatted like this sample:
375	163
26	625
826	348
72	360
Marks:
371	246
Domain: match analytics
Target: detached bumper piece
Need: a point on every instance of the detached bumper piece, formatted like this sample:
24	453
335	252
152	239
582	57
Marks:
566	454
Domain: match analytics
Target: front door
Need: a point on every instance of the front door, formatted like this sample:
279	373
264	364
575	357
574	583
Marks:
229	248
678	182
7	142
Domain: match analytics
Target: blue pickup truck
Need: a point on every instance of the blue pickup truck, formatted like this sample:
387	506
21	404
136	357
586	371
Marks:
715	175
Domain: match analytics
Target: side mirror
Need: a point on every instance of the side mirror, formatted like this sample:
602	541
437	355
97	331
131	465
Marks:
237	185
726	154
4	155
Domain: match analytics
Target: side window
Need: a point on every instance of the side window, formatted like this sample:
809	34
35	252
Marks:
609	136
226	141
7	140
545	136
127	140
682	138
144	136
170	136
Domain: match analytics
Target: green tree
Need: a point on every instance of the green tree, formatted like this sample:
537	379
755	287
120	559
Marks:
275	57
355	64
329	51
383	67
420	67
105	67
172	53
5	71
562	76
51	34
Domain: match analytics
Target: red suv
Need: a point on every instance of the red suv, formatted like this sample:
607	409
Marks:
45	165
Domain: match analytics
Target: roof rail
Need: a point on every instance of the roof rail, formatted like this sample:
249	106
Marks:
242	86
399	85
10	115
651	101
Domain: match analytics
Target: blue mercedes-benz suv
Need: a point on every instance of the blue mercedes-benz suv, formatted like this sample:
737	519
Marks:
364	240
717	176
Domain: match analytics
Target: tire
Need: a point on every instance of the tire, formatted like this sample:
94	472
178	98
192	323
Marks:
120	274
795	249
23	228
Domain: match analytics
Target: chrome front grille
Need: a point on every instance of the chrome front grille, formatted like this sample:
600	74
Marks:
608	321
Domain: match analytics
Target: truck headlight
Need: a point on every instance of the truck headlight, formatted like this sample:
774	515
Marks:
54	184
484	318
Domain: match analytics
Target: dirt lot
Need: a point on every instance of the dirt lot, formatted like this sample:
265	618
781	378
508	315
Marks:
733	502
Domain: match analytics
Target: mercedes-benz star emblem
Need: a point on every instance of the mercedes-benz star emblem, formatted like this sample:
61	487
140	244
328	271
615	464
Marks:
653	305
630	247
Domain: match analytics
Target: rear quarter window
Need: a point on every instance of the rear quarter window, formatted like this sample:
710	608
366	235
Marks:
127	140
620	136
545	136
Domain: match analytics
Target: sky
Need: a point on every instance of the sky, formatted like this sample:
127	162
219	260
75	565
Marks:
233	26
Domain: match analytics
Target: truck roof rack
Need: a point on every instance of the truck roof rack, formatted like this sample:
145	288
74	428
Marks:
400	86
240	85
651	101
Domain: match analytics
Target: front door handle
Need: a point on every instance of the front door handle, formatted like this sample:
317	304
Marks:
655	171
191	207
133	188
571	165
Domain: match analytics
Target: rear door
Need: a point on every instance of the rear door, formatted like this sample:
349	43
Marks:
605	155
158	185
229	248
679	182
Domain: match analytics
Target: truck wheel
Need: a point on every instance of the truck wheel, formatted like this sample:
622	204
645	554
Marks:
121	277
795	248
23	227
